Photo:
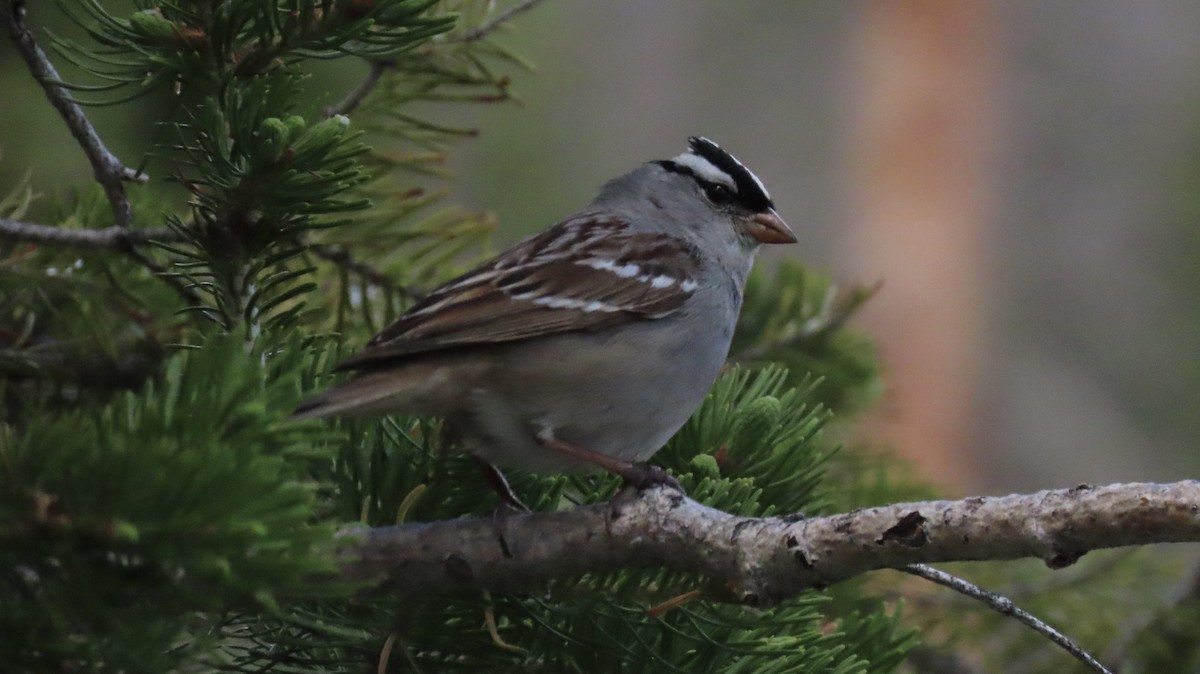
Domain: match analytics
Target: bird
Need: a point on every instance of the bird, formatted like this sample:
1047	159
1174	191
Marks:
589	344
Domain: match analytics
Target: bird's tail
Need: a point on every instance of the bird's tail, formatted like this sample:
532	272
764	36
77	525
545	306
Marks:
375	393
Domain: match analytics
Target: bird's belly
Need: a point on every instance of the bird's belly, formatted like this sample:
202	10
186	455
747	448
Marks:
616	409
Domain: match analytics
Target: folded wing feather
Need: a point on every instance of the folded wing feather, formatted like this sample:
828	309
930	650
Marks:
586	273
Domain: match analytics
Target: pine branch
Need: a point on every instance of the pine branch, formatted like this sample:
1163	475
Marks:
765	560
109	238
107	169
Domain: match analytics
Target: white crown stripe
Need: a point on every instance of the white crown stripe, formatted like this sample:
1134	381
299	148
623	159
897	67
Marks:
705	169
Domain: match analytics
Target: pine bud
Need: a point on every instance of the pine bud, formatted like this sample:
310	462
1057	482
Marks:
296	126
705	465
756	422
150	23
273	140
322	136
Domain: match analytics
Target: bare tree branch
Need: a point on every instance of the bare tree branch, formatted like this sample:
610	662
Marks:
117	239
765	560
107	169
1005	606
109	238
500	19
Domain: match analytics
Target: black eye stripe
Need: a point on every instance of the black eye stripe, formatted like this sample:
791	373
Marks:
750	191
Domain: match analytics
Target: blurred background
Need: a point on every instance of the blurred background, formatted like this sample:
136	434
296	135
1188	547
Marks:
1021	176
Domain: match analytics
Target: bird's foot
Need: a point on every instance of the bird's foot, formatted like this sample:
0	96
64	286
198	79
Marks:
642	476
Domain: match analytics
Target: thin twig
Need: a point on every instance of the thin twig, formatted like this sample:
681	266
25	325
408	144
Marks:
118	239
1005	606
109	238
356	96
107	169
483	29
341	257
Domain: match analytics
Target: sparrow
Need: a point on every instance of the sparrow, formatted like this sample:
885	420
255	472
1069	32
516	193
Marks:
590	343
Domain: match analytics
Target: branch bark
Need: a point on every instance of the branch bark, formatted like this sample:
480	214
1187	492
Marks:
107	169
119	239
762	561
109	238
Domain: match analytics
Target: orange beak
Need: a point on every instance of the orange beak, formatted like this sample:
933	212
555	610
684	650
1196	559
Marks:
768	227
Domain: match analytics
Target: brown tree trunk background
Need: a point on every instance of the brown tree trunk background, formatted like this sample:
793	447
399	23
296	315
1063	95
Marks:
920	193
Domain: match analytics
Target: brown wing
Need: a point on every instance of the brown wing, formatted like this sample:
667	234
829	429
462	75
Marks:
585	273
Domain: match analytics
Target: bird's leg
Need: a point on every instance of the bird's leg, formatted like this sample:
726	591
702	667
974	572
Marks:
495	478
451	435
638	475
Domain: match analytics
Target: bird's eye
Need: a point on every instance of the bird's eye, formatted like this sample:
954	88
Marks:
718	194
